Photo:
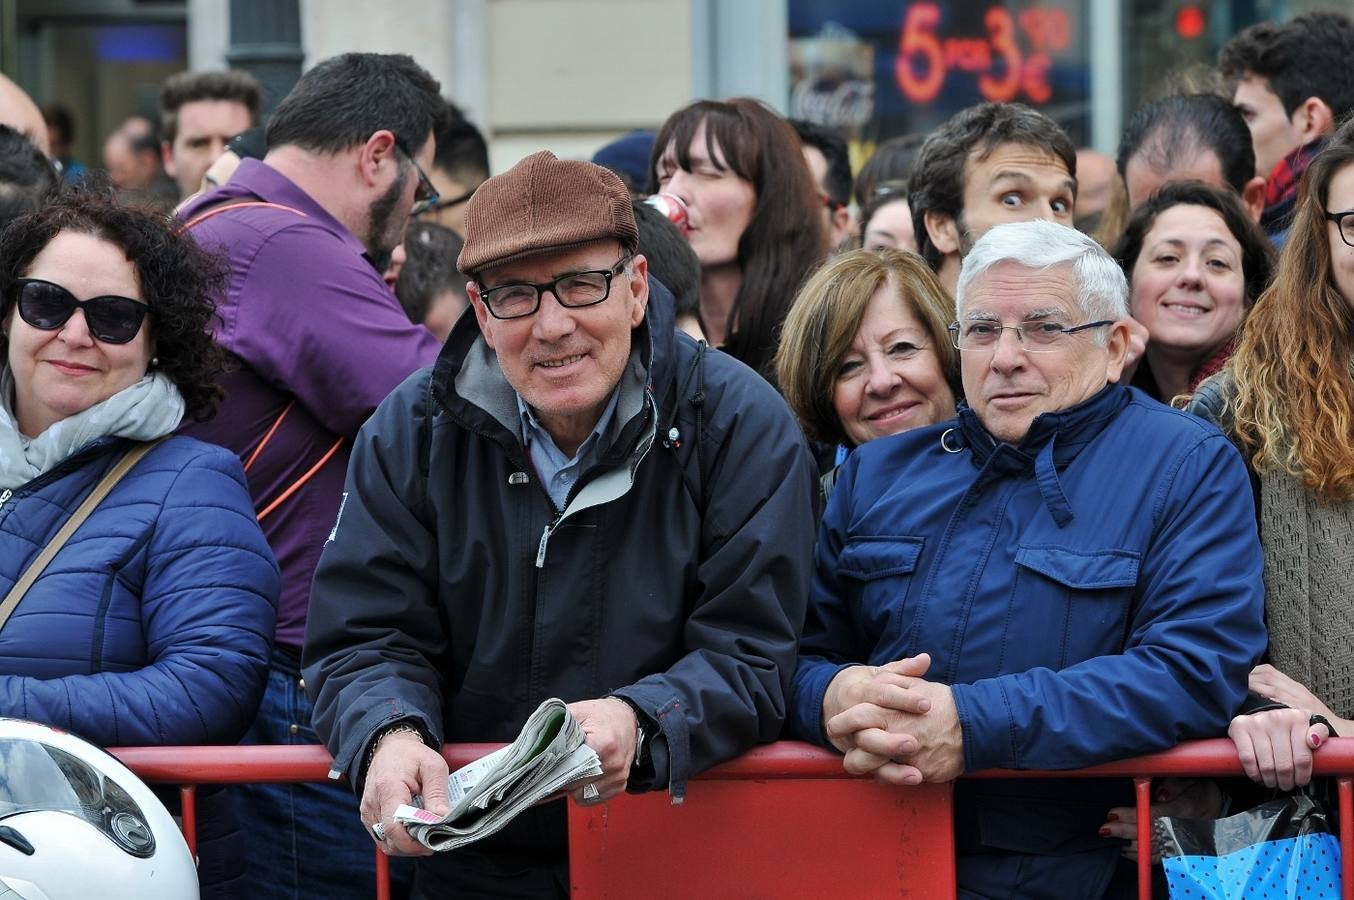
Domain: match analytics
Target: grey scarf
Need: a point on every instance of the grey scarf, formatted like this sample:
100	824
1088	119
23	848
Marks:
148	409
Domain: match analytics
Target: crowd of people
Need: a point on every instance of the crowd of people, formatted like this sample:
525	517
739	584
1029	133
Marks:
314	431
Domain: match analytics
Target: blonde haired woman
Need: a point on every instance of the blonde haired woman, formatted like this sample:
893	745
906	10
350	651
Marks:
865	353
1287	398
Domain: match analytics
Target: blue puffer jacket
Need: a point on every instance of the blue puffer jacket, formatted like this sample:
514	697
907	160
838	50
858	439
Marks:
154	624
1092	594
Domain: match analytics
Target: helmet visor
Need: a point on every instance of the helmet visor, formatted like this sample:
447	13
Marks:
38	777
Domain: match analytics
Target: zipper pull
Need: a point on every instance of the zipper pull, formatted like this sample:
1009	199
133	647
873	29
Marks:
540	551
5	495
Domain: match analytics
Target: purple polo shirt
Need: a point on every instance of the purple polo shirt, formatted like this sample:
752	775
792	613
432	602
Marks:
307	319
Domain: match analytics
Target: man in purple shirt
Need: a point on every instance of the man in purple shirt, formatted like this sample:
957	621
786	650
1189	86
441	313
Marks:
318	341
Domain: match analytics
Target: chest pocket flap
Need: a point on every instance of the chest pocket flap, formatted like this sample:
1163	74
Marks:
1081	569
868	558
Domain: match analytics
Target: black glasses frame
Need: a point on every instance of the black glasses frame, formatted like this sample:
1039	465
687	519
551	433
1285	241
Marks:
425	196
96	310
1339	220
487	294
953	329
449	202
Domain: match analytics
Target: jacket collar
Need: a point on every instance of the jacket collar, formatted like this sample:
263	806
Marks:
468	381
1053	441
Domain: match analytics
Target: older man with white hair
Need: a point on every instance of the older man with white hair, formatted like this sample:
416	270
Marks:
1067	573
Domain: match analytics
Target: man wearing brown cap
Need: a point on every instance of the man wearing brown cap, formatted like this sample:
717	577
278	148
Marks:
576	501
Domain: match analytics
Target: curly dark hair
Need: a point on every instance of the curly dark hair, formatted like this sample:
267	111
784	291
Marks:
178	281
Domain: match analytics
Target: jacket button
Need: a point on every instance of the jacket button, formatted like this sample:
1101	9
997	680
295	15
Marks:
302	683
295	729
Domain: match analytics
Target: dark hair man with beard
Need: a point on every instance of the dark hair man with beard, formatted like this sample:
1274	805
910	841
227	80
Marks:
318	340
990	163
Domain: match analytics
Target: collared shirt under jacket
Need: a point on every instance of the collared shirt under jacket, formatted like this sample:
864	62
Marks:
452	592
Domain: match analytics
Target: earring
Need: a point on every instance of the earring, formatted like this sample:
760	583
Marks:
154	361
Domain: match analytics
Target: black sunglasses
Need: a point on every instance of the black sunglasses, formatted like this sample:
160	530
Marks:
47	307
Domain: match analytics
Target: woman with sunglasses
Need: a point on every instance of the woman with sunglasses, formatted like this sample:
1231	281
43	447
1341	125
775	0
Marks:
1287	399
153	622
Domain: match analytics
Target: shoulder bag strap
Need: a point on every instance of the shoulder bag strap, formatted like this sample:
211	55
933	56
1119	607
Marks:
87	506
217	210
268	436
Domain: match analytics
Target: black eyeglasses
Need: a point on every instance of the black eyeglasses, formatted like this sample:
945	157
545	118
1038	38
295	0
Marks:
522	298
439	205
425	195
1345	222
47	307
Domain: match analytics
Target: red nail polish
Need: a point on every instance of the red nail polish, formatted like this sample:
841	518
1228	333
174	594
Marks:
1113	817
1316	741
1104	832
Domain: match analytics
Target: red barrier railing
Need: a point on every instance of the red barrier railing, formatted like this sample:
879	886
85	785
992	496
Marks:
777	821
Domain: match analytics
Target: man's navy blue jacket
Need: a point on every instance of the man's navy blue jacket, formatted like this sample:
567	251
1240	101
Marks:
1091	594
452	593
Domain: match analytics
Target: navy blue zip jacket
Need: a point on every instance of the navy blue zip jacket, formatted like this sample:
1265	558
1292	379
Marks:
452	592
1091	594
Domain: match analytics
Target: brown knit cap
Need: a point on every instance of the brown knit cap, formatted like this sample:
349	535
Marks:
544	204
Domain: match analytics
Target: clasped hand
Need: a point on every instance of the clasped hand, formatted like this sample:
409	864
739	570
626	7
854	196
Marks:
891	723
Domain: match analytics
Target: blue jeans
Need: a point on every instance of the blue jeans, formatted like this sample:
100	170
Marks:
303	840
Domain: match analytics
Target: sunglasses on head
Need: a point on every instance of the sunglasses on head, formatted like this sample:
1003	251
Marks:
47	307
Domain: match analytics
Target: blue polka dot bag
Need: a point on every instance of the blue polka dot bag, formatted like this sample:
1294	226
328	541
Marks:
1283	849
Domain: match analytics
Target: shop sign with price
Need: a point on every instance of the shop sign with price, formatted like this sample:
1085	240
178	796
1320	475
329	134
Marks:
876	69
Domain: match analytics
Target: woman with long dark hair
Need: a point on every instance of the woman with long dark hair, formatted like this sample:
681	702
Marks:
753	217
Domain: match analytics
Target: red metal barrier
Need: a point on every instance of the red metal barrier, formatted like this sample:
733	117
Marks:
784	820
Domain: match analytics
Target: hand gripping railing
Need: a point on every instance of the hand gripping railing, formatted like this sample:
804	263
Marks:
783	820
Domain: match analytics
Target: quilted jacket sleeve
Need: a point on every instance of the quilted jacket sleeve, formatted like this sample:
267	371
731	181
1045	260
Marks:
208	607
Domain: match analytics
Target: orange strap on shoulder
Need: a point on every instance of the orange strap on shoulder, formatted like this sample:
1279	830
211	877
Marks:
272	429
215	211
298	483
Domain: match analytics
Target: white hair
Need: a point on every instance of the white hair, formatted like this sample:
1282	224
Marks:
1101	288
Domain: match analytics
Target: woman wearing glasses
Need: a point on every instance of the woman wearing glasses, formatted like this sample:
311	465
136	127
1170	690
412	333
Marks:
152	623
1195	262
1287	399
753	217
864	352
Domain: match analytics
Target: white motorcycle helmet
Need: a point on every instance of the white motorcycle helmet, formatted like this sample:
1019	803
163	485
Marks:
77	824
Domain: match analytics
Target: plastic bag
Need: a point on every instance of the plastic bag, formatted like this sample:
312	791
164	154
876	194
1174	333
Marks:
1281	849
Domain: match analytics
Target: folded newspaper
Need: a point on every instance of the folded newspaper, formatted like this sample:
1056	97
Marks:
547	756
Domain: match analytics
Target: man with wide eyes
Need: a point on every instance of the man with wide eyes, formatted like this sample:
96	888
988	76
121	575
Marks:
990	163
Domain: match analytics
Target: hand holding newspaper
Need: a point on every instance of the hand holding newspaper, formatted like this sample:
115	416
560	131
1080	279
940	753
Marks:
548	755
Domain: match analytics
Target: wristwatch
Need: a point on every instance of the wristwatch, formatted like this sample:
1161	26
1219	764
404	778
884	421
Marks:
643	726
